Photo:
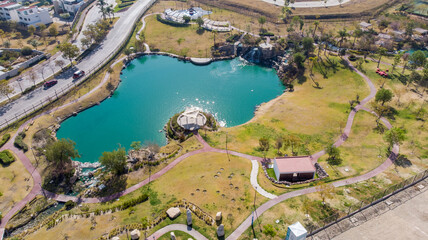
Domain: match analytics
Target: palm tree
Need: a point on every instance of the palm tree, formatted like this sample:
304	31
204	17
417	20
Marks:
316	24
357	34
342	34
101	4
110	12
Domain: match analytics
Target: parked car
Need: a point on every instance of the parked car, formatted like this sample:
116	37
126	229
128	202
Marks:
78	74
49	84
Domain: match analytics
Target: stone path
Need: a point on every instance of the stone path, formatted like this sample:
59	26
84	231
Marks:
254	182
177	227
206	148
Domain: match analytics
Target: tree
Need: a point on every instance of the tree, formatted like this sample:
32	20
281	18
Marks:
325	190
357	34
381	51
114	161
26	51
380	110
6	44
53	31
61	152
139	44
5	89
395	135
293	142
110	12
200	22
32	76
308	45
316	24
383	24
405	58
383	96
262	21
42	28
136	145
18	35
60	63
101	4
340	2
417	59
299	59
2	35
278	143
31	29
342	34
186	19
264	145
127	52
69	51
34	43
333	155
397	60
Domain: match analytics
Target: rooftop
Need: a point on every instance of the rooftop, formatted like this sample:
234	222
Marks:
365	24
421	30
300	164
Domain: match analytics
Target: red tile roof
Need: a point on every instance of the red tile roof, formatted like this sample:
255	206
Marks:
301	164
26	8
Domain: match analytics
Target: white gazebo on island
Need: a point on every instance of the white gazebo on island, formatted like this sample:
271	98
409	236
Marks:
191	119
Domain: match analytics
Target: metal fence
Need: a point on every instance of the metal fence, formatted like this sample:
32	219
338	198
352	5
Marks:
363	211
58	93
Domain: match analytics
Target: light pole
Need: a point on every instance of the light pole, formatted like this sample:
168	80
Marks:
34	155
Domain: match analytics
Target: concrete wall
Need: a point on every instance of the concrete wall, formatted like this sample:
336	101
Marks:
23	65
275	168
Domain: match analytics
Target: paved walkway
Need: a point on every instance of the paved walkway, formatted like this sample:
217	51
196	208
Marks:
206	148
254	182
177	227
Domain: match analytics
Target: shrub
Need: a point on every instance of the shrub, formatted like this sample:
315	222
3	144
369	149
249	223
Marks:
123	5
168	22
19	142
6	157
269	230
4	139
352	58
26	51
69	205
266	34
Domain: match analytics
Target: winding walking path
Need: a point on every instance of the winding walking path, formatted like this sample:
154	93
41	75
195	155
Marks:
177	227
37	189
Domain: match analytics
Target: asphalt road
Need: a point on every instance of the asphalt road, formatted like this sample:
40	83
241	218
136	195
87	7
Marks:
117	35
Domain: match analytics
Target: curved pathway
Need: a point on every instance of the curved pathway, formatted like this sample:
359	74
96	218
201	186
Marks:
37	190
308	4
177	227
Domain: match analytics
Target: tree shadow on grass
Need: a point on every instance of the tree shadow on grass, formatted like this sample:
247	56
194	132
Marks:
402	161
113	184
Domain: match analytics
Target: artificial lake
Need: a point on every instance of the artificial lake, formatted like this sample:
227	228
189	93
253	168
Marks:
154	88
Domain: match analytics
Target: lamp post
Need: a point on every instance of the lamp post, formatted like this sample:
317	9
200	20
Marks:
34	155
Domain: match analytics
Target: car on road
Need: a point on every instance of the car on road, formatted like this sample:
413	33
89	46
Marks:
49	84
78	74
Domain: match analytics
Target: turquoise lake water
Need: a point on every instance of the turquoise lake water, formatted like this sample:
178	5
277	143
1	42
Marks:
154	88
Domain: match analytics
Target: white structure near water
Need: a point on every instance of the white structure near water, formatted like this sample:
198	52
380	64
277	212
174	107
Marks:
296	231
191	119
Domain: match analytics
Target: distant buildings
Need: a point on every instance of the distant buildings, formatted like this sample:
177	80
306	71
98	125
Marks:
67	6
25	15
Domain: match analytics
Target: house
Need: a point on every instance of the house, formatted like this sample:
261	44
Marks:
398	35
6	8
32	16
67	6
294	169
365	26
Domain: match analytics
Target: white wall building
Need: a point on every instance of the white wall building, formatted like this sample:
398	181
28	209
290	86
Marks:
32	16
6	8
69	6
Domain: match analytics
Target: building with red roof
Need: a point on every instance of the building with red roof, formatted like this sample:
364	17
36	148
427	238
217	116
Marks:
294	169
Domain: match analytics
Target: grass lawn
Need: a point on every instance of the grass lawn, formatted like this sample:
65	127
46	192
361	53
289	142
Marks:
363	151
183	41
271	173
316	115
16	183
194	180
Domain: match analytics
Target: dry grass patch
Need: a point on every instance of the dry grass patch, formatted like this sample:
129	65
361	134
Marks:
16	183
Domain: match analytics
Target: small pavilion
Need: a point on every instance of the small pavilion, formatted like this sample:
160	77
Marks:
191	119
294	169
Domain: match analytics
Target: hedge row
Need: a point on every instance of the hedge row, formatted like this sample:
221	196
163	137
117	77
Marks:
169	22
6	157
127	1
4	139
266	34
126	4
19	142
